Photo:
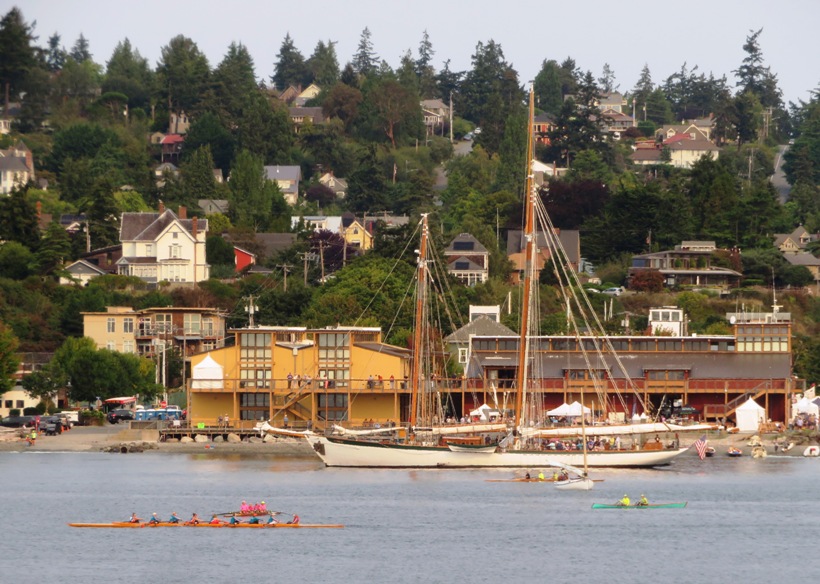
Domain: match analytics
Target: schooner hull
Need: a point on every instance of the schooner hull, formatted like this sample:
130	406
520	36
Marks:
337	452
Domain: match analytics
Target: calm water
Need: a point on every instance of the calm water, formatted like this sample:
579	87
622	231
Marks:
747	521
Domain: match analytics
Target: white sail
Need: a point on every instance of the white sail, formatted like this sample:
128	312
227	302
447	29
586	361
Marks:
371	432
267	428
613	430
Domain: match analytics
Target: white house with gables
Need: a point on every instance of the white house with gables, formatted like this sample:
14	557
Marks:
162	246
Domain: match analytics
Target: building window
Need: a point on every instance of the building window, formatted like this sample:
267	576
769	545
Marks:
111	325
111	346
149	249
175	235
207	327
254	378
174	251
8	403
335	377
254	406
462	355
128	325
255	346
334	346
163	323
192	323
332	406
20	403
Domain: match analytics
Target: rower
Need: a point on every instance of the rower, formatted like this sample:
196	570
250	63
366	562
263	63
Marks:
272	519
541	476
174	518
154	519
254	520
294	521
134	518
624	502
194	520
215	520
234	520
527	476
244	507
263	507
643	502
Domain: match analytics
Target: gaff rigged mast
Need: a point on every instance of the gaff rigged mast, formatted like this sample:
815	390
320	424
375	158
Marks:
529	271
419	329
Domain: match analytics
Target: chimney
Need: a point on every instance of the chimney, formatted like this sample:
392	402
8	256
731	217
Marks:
183	212
161	207
193	227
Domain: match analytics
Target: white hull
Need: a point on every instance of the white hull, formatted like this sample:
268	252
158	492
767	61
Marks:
579	484
615	430
352	453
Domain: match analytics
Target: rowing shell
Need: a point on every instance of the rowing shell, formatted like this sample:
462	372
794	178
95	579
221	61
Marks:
126	525
651	506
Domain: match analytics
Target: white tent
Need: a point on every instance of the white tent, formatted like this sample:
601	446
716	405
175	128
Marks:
749	416
207	374
575	409
562	410
806	406
485	413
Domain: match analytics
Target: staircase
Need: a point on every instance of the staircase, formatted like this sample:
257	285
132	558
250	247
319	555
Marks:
720	411
293	408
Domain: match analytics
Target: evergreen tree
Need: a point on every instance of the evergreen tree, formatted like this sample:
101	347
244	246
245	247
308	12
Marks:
182	75
79	52
18	219
424	68
264	130
233	85
448	84
207	130
323	64
198	177
366	186
55	248
643	89
754	77
547	87
103	215
16	37
55	53
607	79
365	60
255	202
406	73
128	72
290	69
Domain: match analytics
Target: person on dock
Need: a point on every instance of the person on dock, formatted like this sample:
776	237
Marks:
174	518
154	519
624	502
134	519
194	520
642	502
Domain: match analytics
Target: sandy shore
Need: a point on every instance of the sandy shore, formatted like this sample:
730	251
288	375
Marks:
95	439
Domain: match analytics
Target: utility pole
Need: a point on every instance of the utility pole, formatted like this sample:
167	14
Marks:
751	155
251	309
322	258
285	269
451	117
306	257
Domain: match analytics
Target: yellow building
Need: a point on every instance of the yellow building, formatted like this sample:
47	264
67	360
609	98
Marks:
113	329
356	235
300	377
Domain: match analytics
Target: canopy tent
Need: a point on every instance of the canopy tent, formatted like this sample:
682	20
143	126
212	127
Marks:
749	416
806	406
485	413
562	410
575	409
121	400
207	374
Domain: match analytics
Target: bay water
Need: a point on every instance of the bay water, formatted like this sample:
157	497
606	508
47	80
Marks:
746	521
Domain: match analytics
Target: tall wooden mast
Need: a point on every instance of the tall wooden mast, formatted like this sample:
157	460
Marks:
526	296
419	330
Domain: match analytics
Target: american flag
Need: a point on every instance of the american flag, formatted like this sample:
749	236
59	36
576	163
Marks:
700	446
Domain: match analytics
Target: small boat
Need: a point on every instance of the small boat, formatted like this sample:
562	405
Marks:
581	483
734	452
811	451
127	525
650	506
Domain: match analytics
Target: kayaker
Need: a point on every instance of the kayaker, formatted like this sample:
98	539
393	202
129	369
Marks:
643	502
541	476
624	502
154	519
174	518
527	476
134	519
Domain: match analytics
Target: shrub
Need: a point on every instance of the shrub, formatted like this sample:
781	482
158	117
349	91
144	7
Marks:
91	418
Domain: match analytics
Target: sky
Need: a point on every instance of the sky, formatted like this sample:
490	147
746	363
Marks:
626	34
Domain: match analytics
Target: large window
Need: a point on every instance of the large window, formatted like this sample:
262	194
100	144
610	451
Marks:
111	325
254	378
254	406
192	323
332	406
255	347
128	325
335	377
334	347
163	323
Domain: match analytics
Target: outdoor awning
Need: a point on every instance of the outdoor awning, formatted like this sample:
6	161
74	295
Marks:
121	400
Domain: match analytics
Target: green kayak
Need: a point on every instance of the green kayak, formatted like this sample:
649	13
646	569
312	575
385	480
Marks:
651	506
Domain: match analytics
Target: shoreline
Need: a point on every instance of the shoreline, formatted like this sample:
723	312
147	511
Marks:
113	438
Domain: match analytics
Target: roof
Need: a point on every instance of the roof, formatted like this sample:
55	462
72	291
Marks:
84	267
148	226
13	164
220	205
307	112
483	326
293	173
802	259
384	348
457	264
695	145
271	243
172	139
464	243
646	154
433	104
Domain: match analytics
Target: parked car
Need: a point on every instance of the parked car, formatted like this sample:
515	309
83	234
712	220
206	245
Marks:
72	416
616	291
51	425
18	421
468	136
117	416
